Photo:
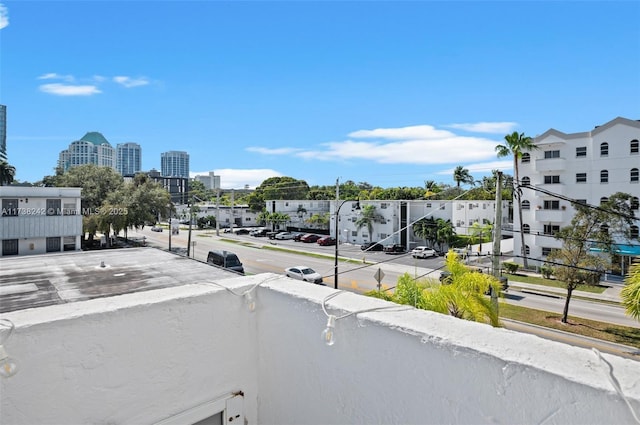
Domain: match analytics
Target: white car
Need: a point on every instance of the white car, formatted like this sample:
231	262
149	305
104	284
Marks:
423	252
462	253
284	235
304	273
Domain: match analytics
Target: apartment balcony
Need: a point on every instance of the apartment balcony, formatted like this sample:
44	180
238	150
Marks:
550	164
553	216
546	241
200	349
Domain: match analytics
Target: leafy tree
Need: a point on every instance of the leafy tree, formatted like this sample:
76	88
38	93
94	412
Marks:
367	217
574	263
515	144
462	175
7	173
197	189
427	229
445	233
319	220
277	188
631	292
479	231
276	219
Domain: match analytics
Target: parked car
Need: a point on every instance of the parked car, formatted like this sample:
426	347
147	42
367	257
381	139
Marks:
258	233
284	236
396	248
156	229
304	273
225	259
423	252
372	246
309	238
326	241
241	231
462	253
272	235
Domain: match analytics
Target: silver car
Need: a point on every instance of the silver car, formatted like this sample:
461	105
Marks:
304	273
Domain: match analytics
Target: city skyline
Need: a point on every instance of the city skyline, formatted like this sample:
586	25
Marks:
389	93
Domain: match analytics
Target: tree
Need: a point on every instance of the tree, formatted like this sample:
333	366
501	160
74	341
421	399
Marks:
320	220
445	234
462	175
427	229
631	292
516	144
367	217
277	188
587	241
7	173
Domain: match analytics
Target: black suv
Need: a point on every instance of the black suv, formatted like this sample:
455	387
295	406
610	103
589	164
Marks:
372	246
394	249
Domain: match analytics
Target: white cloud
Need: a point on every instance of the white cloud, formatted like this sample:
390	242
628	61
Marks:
269	151
486	127
237	178
402	133
54	76
4	16
129	82
69	90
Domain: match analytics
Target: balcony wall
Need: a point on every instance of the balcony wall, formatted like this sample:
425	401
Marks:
140	358
550	164
550	216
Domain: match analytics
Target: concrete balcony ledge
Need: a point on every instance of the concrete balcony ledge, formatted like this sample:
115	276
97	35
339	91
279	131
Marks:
140	358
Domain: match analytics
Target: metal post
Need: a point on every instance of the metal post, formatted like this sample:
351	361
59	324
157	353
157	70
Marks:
190	220
497	236
335	264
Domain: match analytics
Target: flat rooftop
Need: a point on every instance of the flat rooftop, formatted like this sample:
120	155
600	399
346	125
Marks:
40	280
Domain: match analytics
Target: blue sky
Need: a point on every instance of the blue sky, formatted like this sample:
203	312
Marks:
389	93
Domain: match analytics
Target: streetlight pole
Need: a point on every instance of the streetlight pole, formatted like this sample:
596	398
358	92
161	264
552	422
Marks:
335	262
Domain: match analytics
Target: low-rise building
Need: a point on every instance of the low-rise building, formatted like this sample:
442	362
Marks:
36	220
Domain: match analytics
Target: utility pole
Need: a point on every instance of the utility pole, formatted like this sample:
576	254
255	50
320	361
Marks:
337	208
170	229
190	221
497	236
218	212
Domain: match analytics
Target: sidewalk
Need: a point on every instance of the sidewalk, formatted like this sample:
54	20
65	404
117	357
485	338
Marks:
610	294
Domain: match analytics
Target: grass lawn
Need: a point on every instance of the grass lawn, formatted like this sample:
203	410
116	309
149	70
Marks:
596	289
604	331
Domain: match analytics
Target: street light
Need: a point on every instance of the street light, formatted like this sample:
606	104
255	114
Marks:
335	263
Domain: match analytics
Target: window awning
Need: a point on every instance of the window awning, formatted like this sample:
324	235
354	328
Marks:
621	249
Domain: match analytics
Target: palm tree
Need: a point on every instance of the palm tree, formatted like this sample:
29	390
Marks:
631	292
445	234
516	144
462	175
367	218
7	173
427	229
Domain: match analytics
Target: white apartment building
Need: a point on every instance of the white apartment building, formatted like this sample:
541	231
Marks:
92	148
237	216
587	166
37	220
210	181
394	218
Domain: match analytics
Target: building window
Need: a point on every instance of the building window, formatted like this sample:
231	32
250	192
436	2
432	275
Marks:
470	206
70	209
526	205
526	158
634	233
604	200
527	250
10	247
9	207
69	243
551	229
581	177
441	206
604	149
53	244
581	201
428	205
635	175
546	251
551	205
604	228
526	181
551	179
604	176
635	147
551	154
635	202
526	228
383	205
53	207
581	151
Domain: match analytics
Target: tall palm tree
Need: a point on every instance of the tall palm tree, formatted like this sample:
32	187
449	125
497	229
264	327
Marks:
445	234
7	173
516	144
462	175
631	292
427	229
367	218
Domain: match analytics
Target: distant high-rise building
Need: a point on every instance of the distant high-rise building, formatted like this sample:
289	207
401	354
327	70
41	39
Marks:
174	164
92	148
3	133
210	181
128	158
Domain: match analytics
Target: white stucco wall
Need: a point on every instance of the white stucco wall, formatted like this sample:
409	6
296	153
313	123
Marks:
139	358
132	359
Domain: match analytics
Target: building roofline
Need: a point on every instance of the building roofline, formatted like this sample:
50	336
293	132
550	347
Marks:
595	131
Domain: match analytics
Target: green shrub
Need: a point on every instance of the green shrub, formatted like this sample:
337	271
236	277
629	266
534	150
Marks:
511	268
546	271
